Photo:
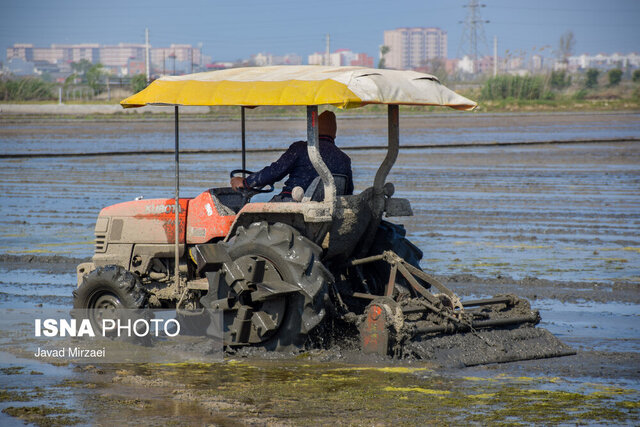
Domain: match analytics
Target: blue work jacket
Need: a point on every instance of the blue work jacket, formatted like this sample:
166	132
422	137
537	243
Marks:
296	164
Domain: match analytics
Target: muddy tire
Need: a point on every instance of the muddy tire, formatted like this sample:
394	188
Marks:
105	290
297	261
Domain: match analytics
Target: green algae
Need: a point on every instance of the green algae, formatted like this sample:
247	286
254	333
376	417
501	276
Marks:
12	370
316	393
13	396
42	415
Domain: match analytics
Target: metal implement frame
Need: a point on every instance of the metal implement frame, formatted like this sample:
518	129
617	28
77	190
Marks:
177	199
456	319
409	272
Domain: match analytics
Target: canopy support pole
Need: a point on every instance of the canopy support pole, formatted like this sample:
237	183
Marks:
313	148
177	200
392	149
393	119
244	147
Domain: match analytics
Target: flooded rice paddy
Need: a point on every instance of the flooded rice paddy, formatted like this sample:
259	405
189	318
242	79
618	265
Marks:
558	224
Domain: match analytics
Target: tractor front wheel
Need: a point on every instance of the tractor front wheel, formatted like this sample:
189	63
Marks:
106	290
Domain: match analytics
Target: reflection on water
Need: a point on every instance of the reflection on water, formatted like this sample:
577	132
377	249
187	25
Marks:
556	212
461	128
561	212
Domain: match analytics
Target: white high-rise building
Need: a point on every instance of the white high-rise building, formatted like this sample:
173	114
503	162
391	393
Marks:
414	47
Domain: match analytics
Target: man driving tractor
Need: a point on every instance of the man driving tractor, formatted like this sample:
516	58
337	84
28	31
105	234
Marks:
296	164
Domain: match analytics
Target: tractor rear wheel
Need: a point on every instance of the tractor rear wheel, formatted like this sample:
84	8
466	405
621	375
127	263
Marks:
269	254
105	290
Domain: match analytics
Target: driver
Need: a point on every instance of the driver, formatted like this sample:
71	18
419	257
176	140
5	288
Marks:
296	164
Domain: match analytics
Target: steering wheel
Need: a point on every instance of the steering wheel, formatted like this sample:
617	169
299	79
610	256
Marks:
250	191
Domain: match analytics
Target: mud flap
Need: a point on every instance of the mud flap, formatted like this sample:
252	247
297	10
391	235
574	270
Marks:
488	346
374	334
379	330
210	257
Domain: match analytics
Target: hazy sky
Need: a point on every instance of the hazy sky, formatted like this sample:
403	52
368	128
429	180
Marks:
230	30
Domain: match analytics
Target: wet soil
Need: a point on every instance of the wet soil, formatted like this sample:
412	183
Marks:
556	224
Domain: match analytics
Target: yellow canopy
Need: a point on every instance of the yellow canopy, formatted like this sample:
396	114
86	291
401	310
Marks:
343	87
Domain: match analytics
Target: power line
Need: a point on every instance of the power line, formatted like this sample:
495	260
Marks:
473	30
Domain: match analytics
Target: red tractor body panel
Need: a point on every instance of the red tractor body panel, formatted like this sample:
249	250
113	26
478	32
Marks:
204	222
152	221
146	221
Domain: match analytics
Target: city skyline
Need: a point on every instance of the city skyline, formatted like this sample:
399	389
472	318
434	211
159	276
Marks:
228	32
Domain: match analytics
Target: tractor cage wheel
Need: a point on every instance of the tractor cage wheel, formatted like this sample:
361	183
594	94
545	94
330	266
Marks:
296	260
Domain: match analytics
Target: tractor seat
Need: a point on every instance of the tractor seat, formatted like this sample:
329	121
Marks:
315	191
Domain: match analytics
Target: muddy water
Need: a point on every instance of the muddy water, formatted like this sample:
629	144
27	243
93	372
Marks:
558	224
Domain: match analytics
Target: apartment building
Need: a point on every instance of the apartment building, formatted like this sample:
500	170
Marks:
118	58
414	47
341	57
57	53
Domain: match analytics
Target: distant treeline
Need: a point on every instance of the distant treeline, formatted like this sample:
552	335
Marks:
26	89
516	87
548	86
85	86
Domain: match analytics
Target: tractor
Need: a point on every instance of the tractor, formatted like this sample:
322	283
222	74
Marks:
285	275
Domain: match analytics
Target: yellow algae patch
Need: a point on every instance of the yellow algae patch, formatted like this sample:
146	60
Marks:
335	377
479	379
606	391
86	242
187	365
234	362
557	394
389	369
629	405
482	396
626	248
463	242
528	379
522	246
504	377
36	251
418	390
490	264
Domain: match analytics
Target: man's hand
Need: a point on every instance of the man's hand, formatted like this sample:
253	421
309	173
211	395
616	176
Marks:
237	182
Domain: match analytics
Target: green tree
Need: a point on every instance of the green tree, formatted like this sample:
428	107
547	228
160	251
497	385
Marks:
138	82
25	89
94	77
592	78
81	67
565	46
636	76
383	51
559	79
515	87
615	76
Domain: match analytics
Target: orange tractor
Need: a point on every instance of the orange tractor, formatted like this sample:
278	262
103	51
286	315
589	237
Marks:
287	274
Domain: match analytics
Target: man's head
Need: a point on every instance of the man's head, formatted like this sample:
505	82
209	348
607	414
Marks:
327	124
